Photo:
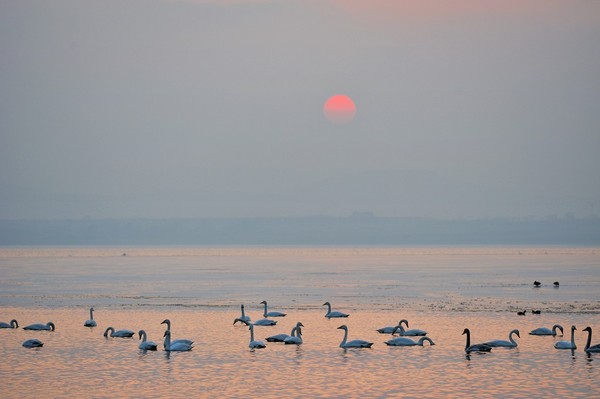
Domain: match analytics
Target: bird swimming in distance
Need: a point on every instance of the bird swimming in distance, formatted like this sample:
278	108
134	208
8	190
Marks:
556	284
391	329
333	314
13	324
118	333
521	313
41	327
253	343
33	343
567	344
511	343
536	312
403	341
146	345
282	337
475	347
588	348
408	333
175	341
175	346
243	316
547	331
537	283
296	337
356	343
91	322
267	314
260	322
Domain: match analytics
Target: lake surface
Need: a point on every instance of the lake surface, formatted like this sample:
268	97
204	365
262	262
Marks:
440	290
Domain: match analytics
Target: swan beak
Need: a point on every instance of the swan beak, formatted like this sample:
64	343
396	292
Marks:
341	327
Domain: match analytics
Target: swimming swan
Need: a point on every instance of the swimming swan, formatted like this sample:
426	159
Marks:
146	345
243	316
511	343
13	324
175	346
357	343
588	348
91	322
261	322
254	344
567	344
41	327
390	329
282	337
118	333
333	314
33	343
547	331
176	341
271	314
403	341
408	333
295	339
476	347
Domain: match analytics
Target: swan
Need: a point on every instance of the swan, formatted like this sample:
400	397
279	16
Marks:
243	316
118	333
295	339
254	344
333	314
282	337
391	329
146	345
408	333
39	327
511	343
13	324
261	322
475	347
175	346
357	343
588	348
402	341
91	322
547	331
33	343
176	341
271	314
567	344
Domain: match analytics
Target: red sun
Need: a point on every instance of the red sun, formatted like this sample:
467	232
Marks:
339	109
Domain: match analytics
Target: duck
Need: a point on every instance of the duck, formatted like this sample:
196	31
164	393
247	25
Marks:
403	341
33	343
271	314
588	348
254	344
175	346
282	337
391	329
537	283
91	322
146	345
243	316
556	284
511	343
567	344
357	343
118	333
547	331
475	347
408	333
536	312
176	341
12	324
296	338
333	314
41	327
521	313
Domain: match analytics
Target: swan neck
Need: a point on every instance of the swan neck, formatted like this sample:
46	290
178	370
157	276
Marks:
511	339
91	314
572	336
589	339
328	307
168	341
252	332
345	337
468	339
265	312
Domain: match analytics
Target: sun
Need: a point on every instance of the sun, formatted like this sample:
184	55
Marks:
339	109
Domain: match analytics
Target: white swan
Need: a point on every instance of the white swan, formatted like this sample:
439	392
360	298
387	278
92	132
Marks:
390	329
271	314
409	333
254	344
33	343
13	324
282	337
588	348
403	341
243	316
511	343
547	331
567	344
41	327
333	314
118	333
295	339
357	343
261	322
146	345
175	346
475	347
91	322
176	341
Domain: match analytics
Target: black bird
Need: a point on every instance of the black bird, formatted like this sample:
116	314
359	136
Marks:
521	313
537	283
536	312
556	284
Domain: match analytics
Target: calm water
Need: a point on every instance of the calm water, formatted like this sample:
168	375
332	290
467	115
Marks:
441	290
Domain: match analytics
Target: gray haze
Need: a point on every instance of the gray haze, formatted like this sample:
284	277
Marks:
166	108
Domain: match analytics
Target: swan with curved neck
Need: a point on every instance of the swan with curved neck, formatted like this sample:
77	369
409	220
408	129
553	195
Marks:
475	347
511	343
403	341
391	329
146	345
118	333
357	343
175	346
547	331
261	322
282	337
175	341
588	348
408	333
13	324
271	314
295	339
41	327
254	344
91	322
567	344
243	316
333	314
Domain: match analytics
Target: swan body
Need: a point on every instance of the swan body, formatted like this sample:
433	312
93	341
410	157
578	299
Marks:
175	346
333	314
547	331
271	314
176	341
408	333
588	348
357	343
403	341
282	337
91	322
41	327
261	322
511	343
567	344
475	347
13	324
118	333
254	344
243	316
295	339
146	345
391	329
33	343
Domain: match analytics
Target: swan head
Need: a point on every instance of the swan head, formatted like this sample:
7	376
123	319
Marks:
326	303
107	330
343	327
166	321
263	302
573	328
516	333
403	321
588	329
241	321
466	331
51	326
299	324
140	333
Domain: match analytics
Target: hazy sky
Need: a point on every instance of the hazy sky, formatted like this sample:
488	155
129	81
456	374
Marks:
175	108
